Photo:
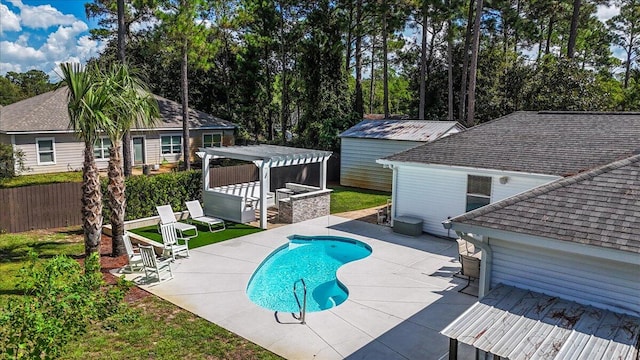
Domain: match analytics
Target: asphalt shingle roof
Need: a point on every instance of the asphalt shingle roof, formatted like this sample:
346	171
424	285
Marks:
408	130
555	143
600	207
48	112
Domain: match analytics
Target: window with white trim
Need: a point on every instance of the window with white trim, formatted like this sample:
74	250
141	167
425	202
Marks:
171	144
101	148
46	150
211	140
478	191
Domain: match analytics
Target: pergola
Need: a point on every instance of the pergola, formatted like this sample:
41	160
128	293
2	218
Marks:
265	157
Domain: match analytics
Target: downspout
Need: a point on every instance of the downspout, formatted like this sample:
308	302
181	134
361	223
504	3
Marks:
487	258
394	193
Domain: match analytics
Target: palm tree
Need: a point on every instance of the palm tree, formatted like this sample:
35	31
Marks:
87	103
132	105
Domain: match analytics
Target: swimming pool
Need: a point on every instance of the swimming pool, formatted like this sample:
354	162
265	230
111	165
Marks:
314	259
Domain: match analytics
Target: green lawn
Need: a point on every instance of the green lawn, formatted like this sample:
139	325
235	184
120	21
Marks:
204	236
153	329
345	199
41	179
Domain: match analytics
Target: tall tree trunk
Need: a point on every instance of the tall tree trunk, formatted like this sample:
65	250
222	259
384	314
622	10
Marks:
474	65
117	200
347	63
184	85
552	20
284	110
359	101
373	77
385	62
573	33
465	63
449	66
423	62
91	202
627	66
516	26
126	138
270	131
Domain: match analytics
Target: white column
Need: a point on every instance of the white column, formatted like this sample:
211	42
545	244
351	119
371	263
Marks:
205	171
264	188
323	173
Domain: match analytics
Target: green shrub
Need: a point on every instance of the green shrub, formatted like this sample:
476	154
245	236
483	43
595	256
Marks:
61	300
144	193
10	161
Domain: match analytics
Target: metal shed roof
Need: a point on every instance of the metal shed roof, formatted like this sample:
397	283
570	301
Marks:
274	155
407	130
520	324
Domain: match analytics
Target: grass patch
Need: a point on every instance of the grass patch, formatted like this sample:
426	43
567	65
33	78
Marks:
14	250
152	329
345	199
41	179
205	237
157	329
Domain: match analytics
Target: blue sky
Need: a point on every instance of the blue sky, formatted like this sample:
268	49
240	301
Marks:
42	33
39	34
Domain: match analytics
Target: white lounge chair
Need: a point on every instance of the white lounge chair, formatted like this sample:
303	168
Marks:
197	214
170	239
135	259
167	216
153	267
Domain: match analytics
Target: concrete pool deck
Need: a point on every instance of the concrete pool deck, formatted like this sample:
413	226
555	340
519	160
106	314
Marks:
400	297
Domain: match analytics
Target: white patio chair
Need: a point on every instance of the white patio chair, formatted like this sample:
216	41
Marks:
167	216
154	267
135	260
197	214
170	240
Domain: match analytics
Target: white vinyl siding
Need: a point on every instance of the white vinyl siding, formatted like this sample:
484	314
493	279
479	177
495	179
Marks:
358	167
46	151
171	144
434	194
101	149
584	279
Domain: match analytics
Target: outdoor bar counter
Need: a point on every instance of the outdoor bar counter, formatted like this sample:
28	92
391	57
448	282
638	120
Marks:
298	202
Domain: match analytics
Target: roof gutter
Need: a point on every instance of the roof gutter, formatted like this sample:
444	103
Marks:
496	172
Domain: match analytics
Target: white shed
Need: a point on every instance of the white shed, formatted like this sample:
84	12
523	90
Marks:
369	140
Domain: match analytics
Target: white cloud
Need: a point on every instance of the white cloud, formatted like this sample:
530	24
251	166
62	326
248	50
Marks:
6	67
42	16
605	13
8	20
16	53
63	41
23	39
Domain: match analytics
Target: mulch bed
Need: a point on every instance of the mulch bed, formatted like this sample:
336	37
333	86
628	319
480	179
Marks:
108	263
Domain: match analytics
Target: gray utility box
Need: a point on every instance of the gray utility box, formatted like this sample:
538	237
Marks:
407	225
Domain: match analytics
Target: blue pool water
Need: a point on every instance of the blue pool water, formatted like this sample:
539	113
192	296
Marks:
314	259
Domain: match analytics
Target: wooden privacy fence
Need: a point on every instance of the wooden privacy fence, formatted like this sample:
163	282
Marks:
40	207
308	174
59	205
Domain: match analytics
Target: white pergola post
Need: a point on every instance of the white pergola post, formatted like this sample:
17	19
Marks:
264	189
323	173
205	171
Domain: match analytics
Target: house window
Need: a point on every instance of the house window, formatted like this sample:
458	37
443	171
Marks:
46	151
478	191
101	148
211	140
171	144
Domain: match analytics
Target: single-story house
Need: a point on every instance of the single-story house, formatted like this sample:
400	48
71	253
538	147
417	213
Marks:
39	126
560	269
364	143
502	158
